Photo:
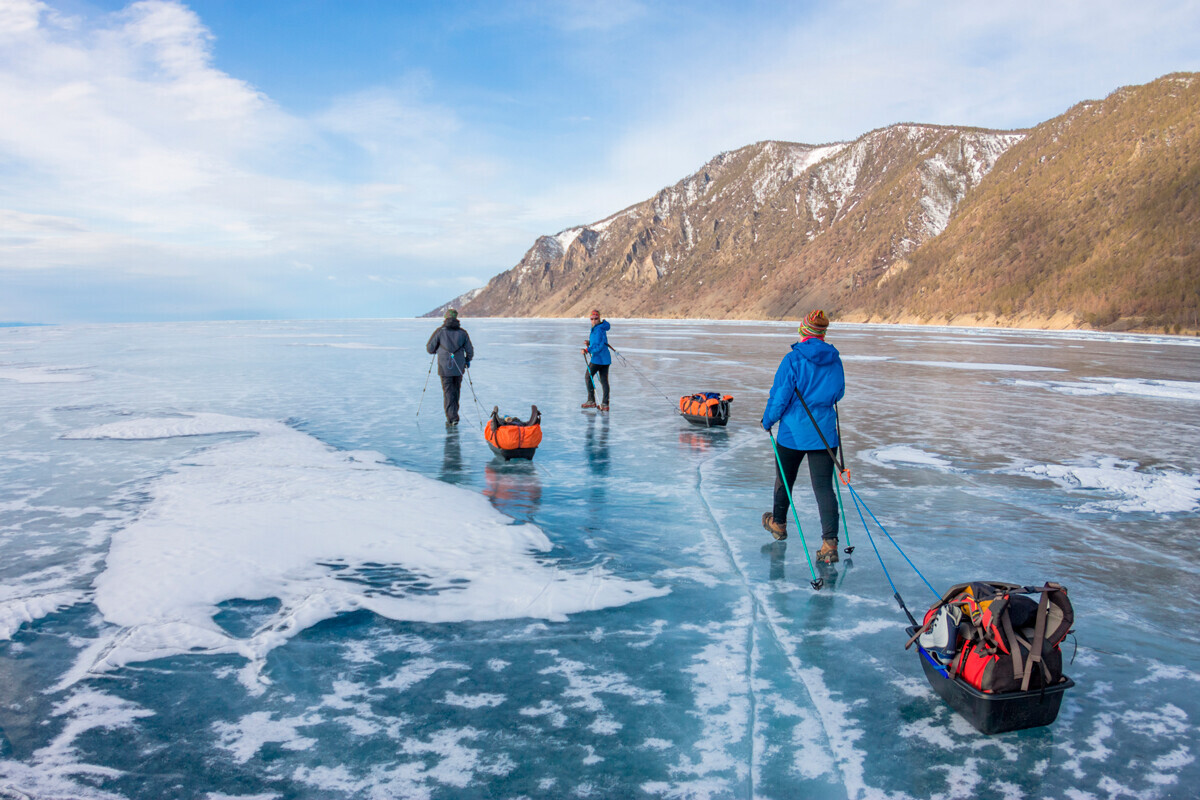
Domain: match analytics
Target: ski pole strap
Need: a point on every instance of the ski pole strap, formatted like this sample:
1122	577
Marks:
816	582
840	465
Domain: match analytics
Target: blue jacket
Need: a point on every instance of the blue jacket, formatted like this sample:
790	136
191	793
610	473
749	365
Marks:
815	368
598	344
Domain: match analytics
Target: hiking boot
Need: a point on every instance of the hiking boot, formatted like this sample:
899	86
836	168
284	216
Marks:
779	531
828	553
604	407
589	404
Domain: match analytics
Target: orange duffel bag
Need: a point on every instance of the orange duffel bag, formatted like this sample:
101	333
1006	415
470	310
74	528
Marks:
509	437
706	408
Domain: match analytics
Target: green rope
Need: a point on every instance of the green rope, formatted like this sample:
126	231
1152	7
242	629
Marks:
816	582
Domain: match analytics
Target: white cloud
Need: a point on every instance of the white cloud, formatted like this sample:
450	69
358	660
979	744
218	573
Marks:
126	151
840	70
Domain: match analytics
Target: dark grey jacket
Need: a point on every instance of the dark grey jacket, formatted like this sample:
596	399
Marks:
453	348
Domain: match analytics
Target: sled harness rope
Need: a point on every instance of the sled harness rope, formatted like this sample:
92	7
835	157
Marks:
642	375
478	405
860	506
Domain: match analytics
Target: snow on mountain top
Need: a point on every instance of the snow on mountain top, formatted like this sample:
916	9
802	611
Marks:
565	238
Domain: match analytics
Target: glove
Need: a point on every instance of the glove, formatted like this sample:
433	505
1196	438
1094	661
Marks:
767	427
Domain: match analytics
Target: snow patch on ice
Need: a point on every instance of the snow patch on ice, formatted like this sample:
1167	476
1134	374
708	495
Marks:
281	515
18	611
56	769
244	738
1135	387
472	701
907	454
416	671
1162	492
982	366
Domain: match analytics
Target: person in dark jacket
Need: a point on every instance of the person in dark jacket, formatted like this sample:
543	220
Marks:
599	360
454	353
813	368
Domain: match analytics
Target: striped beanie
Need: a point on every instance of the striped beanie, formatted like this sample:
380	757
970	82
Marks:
814	325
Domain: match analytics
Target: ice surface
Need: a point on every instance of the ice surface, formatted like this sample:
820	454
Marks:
1160	492
235	567
1135	387
282	516
33	373
982	366
900	454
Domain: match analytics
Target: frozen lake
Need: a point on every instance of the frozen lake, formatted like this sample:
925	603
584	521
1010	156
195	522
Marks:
234	563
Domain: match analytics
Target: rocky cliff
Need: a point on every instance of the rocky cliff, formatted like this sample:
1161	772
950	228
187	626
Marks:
910	222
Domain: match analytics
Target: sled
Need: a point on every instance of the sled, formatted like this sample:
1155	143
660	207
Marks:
710	409
511	438
990	712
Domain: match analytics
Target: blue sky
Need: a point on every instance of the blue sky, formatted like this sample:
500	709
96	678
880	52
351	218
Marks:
225	159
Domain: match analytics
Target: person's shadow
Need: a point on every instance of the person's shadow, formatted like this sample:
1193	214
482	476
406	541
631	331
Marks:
775	553
597	444
452	466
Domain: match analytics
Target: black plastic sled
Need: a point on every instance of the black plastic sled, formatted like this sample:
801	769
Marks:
992	712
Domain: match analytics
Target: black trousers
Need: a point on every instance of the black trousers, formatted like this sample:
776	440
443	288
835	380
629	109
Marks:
451	386
602	371
820	470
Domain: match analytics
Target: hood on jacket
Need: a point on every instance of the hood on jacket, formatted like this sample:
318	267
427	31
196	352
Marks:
817	351
452	324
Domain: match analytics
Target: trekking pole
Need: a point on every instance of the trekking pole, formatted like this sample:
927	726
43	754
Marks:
587	371
426	386
816	582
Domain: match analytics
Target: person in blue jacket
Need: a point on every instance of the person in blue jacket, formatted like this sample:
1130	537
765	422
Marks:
815	369
598	360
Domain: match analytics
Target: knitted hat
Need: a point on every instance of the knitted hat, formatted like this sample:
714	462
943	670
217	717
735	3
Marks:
450	314
814	324
595	313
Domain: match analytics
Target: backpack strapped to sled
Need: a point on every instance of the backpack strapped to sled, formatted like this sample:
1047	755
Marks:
992	652
1003	640
509	437
706	408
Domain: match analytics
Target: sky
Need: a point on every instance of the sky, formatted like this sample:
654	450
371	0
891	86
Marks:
223	159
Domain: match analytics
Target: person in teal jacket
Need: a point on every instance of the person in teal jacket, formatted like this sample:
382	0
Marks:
814	368
599	360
